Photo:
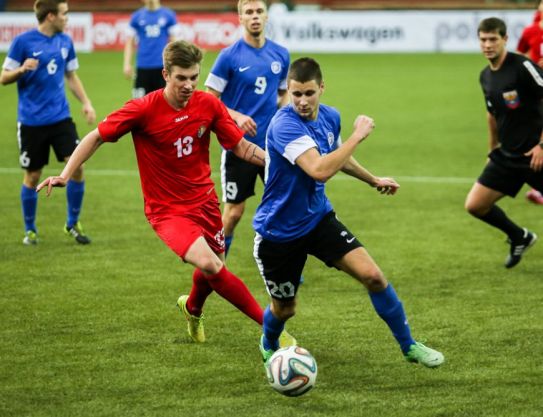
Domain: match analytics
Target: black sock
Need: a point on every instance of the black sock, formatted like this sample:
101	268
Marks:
496	217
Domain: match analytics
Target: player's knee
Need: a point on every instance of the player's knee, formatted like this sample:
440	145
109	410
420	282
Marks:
210	265
374	280
474	208
233	215
286	313
32	178
284	310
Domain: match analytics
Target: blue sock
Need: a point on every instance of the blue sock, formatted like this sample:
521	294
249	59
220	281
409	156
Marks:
227	242
29	202
390	309
272	327
74	195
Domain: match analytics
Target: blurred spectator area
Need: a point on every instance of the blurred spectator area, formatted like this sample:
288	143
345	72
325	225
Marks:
230	5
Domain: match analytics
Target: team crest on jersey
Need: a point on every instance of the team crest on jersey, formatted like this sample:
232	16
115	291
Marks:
201	130
276	67
162	21
511	99
330	139
64	52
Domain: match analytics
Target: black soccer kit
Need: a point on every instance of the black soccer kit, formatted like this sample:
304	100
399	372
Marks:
513	95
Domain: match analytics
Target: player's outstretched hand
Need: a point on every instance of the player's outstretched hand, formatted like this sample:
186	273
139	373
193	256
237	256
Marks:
387	186
51	182
363	125
247	124
536	153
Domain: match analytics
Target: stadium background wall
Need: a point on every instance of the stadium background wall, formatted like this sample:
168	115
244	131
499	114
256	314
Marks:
316	31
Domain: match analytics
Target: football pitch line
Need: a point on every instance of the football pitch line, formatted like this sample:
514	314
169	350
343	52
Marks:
134	173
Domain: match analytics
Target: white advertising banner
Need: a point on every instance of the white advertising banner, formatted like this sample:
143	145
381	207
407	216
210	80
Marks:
389	31
79	28
305	32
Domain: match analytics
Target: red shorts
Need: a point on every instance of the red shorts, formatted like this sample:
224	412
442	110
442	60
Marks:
180	230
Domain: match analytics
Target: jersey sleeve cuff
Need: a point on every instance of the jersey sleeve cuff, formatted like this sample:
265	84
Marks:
10	64
216	83
297	147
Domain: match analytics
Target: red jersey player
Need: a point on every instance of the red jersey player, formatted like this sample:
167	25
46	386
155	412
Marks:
531	45
531	40
171	132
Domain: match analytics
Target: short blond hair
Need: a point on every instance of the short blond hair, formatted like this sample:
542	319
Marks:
242	2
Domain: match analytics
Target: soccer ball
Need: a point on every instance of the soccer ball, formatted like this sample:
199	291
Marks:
292	371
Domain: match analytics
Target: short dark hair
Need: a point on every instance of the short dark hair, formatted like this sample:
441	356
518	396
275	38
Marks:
43	7
492	24
182	54
304	70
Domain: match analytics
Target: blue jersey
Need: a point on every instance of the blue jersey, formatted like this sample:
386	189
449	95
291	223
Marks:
152	29
294	203
248	79
42	98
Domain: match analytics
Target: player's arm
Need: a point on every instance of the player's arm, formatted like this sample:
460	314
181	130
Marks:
249	152
10	76
246	123
383	184
323	167
492	131
86	148
129	48
76	87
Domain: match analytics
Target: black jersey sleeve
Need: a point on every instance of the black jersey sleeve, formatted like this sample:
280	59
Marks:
532	76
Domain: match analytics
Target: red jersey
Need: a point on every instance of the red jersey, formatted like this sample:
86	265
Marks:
172	147
532	40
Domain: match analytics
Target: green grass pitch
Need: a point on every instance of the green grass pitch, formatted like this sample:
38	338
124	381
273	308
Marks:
93	331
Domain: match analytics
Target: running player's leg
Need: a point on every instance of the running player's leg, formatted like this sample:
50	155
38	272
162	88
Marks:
221	280
495	182
33	156
337	246
202	248
280	265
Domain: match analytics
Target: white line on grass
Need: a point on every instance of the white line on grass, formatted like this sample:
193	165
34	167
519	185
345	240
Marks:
400	178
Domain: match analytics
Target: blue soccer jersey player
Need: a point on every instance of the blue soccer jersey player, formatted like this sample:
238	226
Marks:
250	78
150	30
295	218
39	60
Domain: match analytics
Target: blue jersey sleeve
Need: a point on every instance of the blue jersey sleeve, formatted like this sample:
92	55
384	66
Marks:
16	54
220	73
289	138
71	61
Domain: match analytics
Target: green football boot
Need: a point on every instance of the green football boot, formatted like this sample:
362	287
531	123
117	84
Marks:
424	355
195	325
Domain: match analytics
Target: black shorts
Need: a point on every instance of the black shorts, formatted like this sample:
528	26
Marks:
507	175
147	80
35	141
238	178
282	263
